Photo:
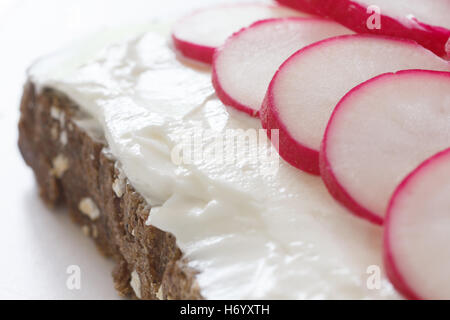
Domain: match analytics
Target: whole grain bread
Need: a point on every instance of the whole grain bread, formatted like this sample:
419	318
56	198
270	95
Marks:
74	168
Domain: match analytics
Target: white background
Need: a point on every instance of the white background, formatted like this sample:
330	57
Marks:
37	244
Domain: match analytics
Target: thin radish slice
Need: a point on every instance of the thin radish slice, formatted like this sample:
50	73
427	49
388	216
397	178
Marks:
416	236
244	66
197	35
424	21
379	132
307	87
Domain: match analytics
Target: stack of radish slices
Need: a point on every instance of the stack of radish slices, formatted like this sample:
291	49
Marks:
363	111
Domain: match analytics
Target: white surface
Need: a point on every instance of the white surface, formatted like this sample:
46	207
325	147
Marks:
38	245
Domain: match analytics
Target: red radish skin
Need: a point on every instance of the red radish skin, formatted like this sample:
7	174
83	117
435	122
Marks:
295	153
302	5
333	183
353	15
301	138
194	51
200	45
447	48
405	190
239	75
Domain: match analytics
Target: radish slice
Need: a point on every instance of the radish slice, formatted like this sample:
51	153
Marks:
424	21
244	66
307	87
197	35
379	132
416	250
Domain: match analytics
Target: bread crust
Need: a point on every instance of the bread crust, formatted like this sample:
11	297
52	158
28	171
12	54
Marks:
73	168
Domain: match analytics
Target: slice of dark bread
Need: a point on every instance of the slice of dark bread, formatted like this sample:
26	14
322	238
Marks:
73	167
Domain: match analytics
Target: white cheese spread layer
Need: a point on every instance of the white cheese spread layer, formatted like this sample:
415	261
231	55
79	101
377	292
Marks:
252	225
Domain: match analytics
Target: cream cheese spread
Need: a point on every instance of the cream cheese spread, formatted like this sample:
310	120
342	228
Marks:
252	225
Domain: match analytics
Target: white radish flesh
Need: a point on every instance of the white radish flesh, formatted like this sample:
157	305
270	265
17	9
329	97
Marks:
197	35
307	87
379	132
244	66
416	238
